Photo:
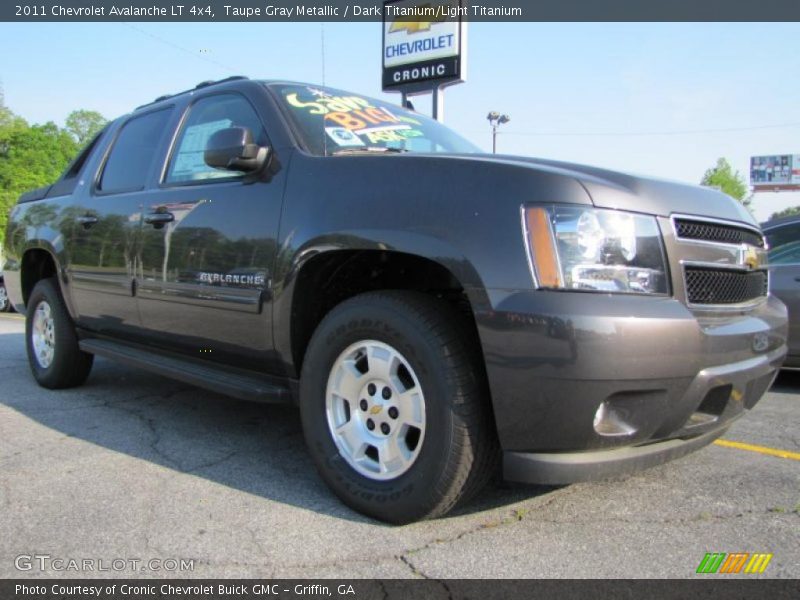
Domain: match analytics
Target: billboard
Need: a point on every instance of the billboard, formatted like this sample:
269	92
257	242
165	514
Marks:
779	171
424	44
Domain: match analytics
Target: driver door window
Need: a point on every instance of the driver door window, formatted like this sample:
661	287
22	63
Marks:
208	116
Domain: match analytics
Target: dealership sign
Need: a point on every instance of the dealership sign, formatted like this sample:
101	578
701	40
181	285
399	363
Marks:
776	172
424	44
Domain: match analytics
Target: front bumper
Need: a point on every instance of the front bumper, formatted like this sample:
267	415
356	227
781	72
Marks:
754	375
573	467
590	385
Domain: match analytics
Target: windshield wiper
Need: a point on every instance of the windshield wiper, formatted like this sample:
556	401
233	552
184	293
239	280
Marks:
368	149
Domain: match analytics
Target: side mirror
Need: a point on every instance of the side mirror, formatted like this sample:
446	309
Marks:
234	149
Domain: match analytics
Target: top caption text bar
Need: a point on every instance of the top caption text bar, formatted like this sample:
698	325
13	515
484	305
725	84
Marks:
374	10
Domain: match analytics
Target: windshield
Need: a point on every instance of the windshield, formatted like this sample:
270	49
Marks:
332	122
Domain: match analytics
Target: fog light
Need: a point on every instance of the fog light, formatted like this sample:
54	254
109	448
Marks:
608	421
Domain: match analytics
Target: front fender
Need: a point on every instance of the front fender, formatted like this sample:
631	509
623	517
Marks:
407	242
416	245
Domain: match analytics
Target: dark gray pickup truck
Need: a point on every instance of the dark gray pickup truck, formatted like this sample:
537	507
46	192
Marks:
433	310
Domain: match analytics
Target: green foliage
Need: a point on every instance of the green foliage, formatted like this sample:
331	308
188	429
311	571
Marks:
31	156
724	178
786	212
84	124
9	124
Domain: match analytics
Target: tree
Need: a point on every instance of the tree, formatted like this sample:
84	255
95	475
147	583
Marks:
30	157
725	179
84	124
8	123
786	212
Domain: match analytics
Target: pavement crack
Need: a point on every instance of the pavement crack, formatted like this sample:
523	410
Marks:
417	572
155	436
414	570
150	524
212	463
404	557
516	516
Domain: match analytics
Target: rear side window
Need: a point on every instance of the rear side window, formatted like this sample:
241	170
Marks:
75	167
68	181
134	152
207	116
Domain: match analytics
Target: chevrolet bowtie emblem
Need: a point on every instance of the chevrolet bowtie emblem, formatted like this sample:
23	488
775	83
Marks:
410	27
750	258
375	410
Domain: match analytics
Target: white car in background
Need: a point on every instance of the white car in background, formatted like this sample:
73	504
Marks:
5	304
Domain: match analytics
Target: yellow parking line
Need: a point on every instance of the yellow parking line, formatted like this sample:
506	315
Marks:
759	449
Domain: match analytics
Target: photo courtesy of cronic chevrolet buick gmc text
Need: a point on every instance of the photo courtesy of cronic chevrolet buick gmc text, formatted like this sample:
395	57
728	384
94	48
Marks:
435	312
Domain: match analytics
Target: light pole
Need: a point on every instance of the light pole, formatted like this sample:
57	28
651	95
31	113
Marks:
495	120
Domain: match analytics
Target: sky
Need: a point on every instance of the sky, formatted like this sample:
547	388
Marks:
660	99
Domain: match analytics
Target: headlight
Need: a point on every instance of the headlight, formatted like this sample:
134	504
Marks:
579	248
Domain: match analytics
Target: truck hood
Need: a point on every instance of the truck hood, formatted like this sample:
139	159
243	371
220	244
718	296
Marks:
612	189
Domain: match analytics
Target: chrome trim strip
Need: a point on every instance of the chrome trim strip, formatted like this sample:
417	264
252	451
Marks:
724	223
714	221
712	265
742	306
683	240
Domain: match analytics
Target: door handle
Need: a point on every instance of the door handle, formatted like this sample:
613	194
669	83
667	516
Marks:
87	220
797	278
159	219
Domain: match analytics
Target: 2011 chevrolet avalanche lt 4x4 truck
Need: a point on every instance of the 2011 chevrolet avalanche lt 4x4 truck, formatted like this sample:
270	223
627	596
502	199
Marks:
432	309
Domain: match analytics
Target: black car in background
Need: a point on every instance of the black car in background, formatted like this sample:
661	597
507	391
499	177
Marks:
783	238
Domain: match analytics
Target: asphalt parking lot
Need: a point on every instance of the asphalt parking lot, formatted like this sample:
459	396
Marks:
135	466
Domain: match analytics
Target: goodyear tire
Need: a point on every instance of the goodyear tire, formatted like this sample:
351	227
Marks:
54	357
395	406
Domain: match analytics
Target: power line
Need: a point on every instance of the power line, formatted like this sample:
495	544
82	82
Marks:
644	133
181	48
322	40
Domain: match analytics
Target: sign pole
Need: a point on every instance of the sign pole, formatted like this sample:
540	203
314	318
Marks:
438	104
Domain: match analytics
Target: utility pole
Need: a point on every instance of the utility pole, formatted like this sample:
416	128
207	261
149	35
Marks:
495	120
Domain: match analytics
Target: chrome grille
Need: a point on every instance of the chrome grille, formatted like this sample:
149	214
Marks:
718	264
723	286
716	232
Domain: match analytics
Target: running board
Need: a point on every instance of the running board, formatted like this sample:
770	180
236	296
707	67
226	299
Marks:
212	377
